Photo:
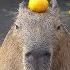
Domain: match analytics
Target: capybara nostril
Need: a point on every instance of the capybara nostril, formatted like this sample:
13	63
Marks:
28	54
36	58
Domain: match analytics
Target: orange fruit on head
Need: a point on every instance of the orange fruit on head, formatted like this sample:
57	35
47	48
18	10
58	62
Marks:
38	5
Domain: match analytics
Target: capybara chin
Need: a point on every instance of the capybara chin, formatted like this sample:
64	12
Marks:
36	41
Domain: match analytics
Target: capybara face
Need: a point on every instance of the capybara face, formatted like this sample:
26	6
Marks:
40	34
36	41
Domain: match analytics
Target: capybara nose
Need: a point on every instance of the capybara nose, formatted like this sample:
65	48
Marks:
39	52
38	58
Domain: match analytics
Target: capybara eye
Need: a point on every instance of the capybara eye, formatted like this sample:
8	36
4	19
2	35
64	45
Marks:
17	27
58	27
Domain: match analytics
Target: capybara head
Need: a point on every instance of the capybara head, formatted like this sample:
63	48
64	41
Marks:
42	38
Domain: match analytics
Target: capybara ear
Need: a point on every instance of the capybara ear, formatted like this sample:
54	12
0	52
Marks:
54	4
23	4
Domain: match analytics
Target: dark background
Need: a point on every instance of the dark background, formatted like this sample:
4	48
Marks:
8	9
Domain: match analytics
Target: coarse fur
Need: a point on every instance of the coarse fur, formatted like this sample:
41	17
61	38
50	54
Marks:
36	41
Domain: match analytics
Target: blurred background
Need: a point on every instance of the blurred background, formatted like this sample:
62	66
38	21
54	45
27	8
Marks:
8	9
